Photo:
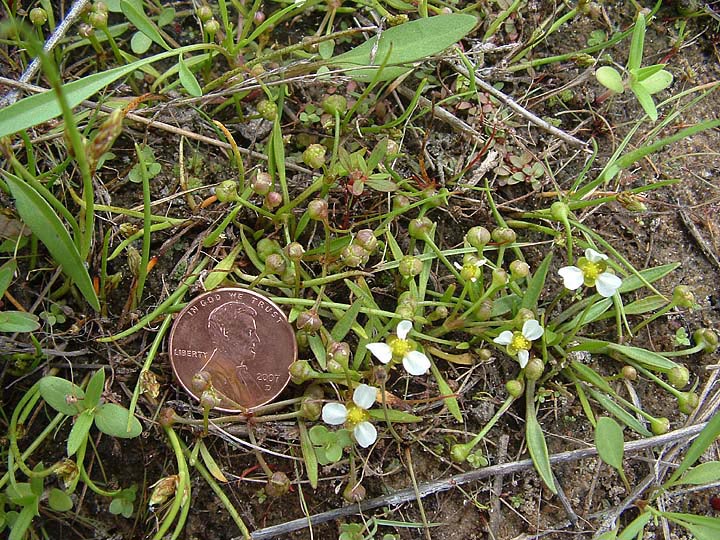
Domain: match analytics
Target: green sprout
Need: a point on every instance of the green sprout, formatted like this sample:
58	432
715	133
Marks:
642	81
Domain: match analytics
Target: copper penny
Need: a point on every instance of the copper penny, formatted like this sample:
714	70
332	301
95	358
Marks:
239	338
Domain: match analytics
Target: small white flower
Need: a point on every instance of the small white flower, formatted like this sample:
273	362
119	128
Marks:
470	269
355	414
591	271
519	343
414	362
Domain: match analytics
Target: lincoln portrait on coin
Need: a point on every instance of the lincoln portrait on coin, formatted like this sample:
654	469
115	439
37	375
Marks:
233	334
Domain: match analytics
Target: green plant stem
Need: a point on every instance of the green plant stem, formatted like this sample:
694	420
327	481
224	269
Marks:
501	18
487	427
154	348
219	493
163	307
145	256
642	324
182	491
662	384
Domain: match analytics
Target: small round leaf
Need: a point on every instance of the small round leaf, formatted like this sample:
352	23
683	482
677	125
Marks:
62	395
112	419
59	500
610	79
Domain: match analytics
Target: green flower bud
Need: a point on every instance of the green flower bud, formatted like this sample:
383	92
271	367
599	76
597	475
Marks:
484	355
396	20
295	251
379	375
400	202
98	19
318	209
204	13
484	311
410	266
407	299
100	7
167	417
678	376
209	399
420	227
393	148
309	321
38	16
707	338
499	277
519	269
212	27
277	485
267	109
265	247
534	369
273	199
478	237
262	183
314	156
659	426
200	382
339	351
522	316
559	211
515	387
334	103
301	371
354	256
683	296
366	238
405	312
354	493
85	30
303	340
503	235
629	373
275	264
688	402
227	191
460	452
332	366
440	313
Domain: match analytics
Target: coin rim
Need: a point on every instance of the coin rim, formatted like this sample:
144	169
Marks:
199	297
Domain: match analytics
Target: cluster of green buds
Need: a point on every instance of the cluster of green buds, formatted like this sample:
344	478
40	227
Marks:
407	306
98	16
359	251
209	22
267	109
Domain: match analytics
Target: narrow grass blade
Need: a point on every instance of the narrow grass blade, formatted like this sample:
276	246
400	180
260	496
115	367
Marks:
450	402
309	456
211	464
704	440
142	22
46	225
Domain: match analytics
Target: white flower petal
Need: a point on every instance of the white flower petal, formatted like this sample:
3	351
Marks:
532	330
364	396
365	434
458	265
573	277
593	256
381	351
334	414
523	357
505	338
403	329
480	262
416	363
607	284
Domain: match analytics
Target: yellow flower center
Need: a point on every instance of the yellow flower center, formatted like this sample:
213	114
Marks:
356	415
400	347
591	271
519	343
